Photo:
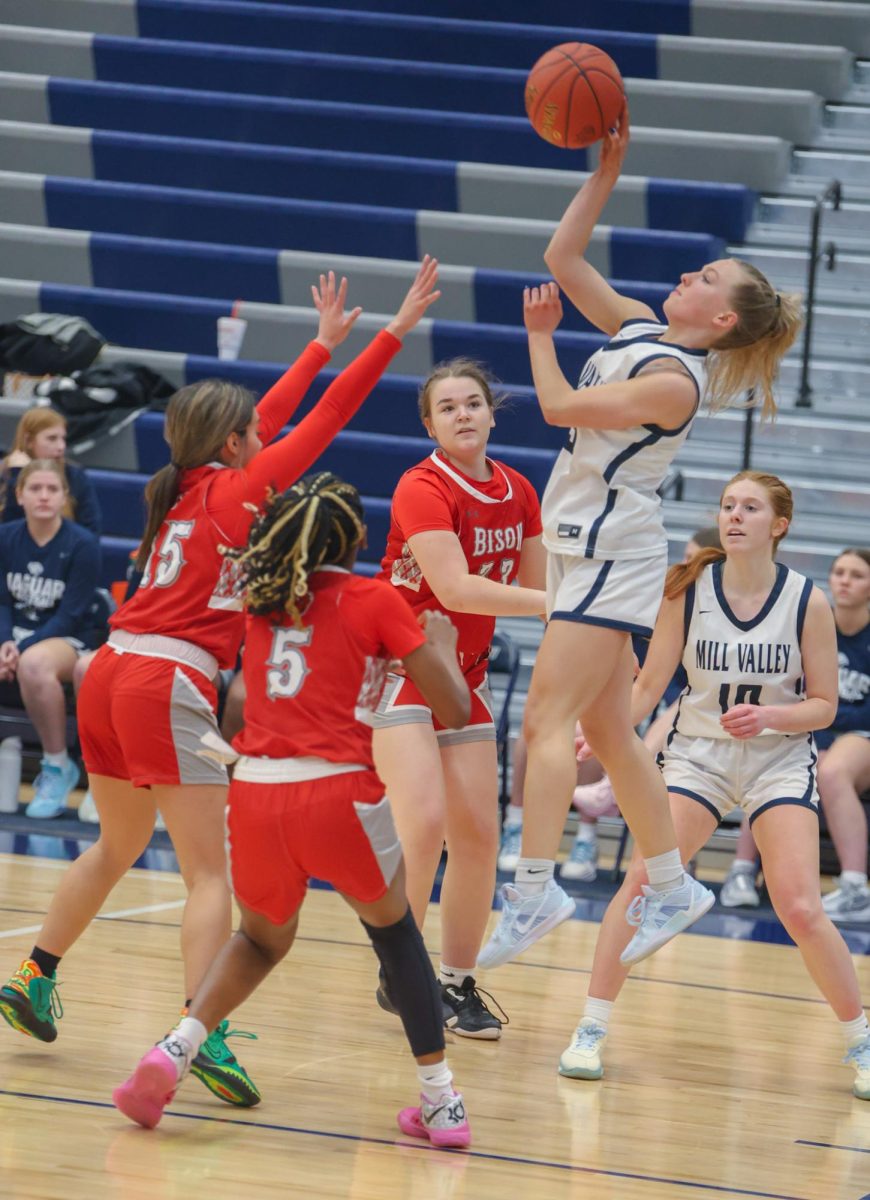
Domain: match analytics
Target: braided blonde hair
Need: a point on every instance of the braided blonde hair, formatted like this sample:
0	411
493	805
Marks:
316	522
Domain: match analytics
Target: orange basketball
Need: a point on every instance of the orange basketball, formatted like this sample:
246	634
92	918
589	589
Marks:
574	94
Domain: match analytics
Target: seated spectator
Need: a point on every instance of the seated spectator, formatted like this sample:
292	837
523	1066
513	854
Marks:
41	433
844	756
50	613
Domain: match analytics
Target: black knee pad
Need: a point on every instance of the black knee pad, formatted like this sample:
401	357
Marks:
411	982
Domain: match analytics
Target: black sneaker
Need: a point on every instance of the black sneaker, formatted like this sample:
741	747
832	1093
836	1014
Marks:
465	1012
383	996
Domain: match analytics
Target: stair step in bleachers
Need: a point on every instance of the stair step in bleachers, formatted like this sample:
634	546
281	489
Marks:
724	210
787	113
755	160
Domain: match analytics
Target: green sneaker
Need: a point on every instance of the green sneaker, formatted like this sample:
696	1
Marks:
217	1067
29	1002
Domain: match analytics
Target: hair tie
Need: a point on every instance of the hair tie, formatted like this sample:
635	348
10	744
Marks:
177	466
777	298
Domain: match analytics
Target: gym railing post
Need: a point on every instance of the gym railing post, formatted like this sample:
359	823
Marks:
833	193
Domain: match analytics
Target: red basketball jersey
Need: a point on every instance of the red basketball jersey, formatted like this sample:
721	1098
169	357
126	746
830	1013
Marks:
190	589
312	691
491	520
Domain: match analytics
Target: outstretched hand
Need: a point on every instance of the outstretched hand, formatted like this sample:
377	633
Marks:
542	308
420	295
615	146
335	324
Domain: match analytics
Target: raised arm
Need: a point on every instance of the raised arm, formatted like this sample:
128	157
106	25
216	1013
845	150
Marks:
587	289
663	393
442	560
285	461
284	397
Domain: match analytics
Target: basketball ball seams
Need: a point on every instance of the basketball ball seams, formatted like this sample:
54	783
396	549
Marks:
580	77
542	94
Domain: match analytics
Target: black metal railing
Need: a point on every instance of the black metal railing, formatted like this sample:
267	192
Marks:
833	193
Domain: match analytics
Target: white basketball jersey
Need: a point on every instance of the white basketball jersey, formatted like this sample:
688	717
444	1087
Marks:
729	661
602	497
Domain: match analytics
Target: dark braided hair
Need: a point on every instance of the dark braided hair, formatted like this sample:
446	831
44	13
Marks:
314	523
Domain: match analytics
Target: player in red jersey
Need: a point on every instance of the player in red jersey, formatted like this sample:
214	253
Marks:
305	799
463	528
148	696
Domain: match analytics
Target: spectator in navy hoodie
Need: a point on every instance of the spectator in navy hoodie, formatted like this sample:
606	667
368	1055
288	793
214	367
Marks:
50	613
41	433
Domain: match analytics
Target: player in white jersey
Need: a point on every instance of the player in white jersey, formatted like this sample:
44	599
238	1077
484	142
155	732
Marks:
758	645
725	330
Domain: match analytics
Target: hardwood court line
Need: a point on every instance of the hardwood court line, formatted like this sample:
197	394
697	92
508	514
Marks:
334	1135
832	1146
124	912
31	862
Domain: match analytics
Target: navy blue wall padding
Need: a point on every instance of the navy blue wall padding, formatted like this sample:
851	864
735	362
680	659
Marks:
636	16
498	298
369	129
506	349
488	43
182	268
286	173
725	209
240	220
115	557
132	319
122	501
635	254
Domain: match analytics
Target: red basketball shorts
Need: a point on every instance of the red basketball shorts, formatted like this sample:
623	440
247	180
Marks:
338	828
142	718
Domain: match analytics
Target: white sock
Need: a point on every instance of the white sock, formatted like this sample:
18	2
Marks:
193	1032
454	976
853	1030
744	866
586	832
598	1010
513	816
664	871
436	1080
533	875
855	878
56	760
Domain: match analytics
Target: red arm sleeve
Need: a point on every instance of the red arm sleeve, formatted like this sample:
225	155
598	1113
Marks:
289	459
284	397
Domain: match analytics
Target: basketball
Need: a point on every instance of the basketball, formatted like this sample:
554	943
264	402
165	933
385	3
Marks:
574	94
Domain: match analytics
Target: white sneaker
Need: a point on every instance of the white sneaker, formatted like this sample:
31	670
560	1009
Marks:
511	847
87	811
858	1055
739	891
582	862
850	902
582	1059
524	920
660	916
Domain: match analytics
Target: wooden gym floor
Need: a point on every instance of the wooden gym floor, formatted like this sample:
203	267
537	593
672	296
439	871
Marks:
722	1073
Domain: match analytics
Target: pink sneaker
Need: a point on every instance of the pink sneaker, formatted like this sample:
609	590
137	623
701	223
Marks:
149	1089
595	800
444	1124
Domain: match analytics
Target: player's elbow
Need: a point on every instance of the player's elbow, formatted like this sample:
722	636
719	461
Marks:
828	712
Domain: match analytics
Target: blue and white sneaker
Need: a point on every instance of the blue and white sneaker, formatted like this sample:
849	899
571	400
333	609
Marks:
524	920
511	847
582	1059
660	916
859	1056
51	790
582	862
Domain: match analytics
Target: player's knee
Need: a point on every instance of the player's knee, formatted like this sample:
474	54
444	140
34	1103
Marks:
830	778
799	913
34	667
272	943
